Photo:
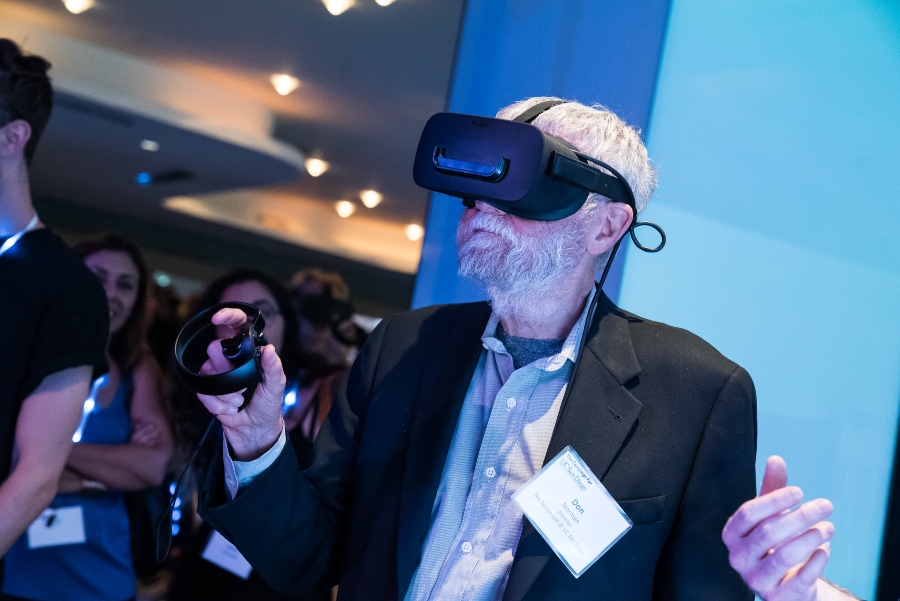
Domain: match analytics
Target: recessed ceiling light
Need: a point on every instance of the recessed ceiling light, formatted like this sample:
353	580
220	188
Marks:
149	145
384	2
316	167
344	208
284	84
337	7
76	7
414	232
371	198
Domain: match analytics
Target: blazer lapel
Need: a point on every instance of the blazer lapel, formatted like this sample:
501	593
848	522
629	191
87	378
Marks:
596	421
443	384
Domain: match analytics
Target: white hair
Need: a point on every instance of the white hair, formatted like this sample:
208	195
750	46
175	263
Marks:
523	273
597	132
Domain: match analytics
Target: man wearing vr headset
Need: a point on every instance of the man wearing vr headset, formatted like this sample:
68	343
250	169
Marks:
56	316
449	410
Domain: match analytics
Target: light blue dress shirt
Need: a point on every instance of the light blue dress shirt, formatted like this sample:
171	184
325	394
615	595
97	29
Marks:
501	438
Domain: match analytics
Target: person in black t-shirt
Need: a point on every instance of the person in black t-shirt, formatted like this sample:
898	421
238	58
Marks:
56	318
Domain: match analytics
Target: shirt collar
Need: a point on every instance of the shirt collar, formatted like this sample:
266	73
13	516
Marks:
570	347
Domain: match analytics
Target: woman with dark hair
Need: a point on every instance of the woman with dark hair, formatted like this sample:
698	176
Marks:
198	574
123	444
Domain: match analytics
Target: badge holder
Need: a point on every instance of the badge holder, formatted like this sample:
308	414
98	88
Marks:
573	511
57	526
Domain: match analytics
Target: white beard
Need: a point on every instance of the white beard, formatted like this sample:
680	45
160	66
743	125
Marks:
522	274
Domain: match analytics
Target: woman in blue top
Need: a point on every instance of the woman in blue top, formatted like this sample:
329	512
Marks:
123	444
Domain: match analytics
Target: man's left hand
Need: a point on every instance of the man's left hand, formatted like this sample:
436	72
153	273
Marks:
780	552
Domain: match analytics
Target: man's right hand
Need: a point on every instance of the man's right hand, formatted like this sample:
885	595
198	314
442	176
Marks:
256	429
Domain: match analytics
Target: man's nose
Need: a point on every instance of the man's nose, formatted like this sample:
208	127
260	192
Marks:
489	209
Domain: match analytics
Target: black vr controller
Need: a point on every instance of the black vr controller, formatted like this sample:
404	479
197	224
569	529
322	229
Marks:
516	167
242	350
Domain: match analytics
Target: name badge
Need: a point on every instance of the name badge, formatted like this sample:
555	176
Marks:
54	527
222	553
574	513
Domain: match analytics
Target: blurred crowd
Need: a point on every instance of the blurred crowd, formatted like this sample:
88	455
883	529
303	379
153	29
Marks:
86	517
156	424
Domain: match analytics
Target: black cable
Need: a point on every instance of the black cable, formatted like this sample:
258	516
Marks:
166	518
633	204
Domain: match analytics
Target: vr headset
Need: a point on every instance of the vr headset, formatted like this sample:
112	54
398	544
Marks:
516	167
242	350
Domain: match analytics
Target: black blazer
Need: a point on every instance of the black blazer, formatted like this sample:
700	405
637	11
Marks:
666	422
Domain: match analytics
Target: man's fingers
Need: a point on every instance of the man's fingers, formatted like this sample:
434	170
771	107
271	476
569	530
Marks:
774	531
754	511
805	578
775	476
217	362
776	566
230	317
226	404
274	379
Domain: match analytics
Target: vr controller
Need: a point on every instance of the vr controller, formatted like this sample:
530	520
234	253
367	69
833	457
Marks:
243	351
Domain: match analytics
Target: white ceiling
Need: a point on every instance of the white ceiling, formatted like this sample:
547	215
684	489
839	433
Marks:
370	78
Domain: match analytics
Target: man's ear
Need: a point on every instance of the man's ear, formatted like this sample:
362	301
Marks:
609	224
13	137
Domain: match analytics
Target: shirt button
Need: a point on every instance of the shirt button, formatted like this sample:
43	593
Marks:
490	472
466	548
511	402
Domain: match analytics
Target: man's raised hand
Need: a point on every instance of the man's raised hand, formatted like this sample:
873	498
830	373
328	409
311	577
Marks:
778	549
254	430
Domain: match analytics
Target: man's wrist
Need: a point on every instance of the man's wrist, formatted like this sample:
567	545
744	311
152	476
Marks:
250	445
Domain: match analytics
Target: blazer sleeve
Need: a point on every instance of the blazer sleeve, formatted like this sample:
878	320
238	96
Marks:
694	562
288	523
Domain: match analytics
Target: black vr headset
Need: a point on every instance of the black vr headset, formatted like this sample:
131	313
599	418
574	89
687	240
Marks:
517	168
242	350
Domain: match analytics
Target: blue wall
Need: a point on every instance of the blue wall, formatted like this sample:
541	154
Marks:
776	130
593	51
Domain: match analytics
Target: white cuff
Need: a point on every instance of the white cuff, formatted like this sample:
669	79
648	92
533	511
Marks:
239	474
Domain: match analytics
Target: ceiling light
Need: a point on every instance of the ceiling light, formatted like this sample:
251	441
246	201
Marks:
76	7
150	145
337	7
371	198
284	84
414	232
344	208
161	278
384	2
316	167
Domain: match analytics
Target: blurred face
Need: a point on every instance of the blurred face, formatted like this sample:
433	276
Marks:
256	294
509	253
120	277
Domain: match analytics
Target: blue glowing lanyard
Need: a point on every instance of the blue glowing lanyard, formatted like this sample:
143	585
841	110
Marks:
11	241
